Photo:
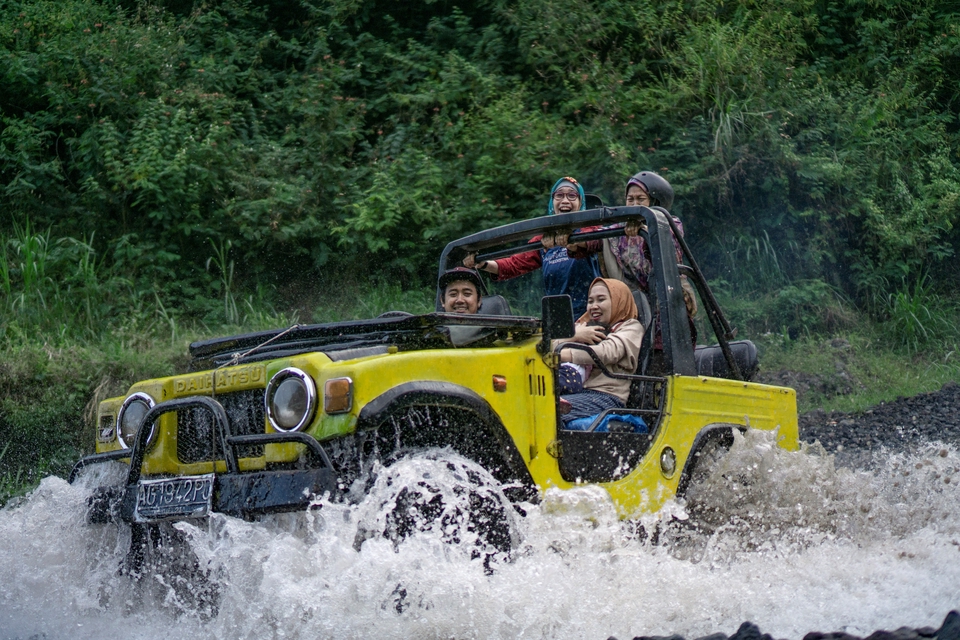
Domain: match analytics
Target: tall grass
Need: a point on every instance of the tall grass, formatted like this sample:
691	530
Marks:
54	286
917	316
356	300
11	483
752	264
221	259
763	288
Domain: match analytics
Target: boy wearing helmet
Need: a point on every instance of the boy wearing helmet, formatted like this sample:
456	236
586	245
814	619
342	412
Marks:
461	290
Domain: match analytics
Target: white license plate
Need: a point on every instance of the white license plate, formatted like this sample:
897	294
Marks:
184	497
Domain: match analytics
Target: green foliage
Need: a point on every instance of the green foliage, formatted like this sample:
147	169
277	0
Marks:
339	130
47	393
855	370
352	300
168	164
916	316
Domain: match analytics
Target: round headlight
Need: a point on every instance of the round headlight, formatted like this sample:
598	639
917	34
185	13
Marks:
291	400
132	412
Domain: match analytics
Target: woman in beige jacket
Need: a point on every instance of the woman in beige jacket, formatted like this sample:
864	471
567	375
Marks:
610	326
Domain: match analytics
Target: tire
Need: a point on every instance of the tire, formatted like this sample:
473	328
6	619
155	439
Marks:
166	570
706	489
708	459
441	494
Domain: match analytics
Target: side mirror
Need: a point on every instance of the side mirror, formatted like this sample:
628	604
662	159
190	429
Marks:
556	320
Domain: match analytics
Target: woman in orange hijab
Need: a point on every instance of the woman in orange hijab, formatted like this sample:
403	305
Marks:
610	326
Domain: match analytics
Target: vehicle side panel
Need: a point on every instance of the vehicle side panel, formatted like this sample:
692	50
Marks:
692	404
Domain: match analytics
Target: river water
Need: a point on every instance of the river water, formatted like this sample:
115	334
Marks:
791	541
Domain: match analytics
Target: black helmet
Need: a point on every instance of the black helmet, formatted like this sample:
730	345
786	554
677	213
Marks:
657	187
460	273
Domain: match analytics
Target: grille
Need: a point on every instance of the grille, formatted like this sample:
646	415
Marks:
195	432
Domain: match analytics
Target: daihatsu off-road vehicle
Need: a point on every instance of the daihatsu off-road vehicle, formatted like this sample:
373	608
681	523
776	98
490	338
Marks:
266	422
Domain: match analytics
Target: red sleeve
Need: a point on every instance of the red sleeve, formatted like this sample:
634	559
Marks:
519	264
588	248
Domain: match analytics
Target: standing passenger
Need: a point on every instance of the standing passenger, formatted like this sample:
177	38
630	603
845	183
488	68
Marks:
561	273
627	258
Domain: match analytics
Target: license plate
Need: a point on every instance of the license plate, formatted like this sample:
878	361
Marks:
185	497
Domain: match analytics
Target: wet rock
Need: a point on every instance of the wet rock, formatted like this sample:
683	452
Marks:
933	416
750	631
949	630
714	636
903	633
837	635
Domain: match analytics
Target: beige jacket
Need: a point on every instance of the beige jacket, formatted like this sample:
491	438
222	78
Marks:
618	352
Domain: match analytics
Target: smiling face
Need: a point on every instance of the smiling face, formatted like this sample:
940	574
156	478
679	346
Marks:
637	197
461	296
599	304
566	199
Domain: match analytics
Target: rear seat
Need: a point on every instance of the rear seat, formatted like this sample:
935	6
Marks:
711	363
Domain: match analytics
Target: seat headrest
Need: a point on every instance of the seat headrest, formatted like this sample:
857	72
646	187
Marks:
644	315
495	305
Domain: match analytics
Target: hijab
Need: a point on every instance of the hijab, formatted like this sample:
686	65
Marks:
634	181
567	182
622	305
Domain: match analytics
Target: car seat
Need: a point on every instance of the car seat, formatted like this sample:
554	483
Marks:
711	362
645	316
495	305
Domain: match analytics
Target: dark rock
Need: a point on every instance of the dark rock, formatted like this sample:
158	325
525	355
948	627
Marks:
836	635
897	425
950	629
714	636
750	631
903	633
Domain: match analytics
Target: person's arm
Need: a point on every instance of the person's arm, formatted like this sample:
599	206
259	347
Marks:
511	267
620	347
581	250
584	334
490	266
519	264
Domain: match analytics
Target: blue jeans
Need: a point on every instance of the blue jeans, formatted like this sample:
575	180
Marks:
590	403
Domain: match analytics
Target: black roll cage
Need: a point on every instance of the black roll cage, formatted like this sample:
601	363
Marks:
666	295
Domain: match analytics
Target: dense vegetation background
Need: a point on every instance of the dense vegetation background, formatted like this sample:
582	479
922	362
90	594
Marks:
178	164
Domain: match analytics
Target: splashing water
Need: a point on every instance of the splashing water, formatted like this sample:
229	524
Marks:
787	540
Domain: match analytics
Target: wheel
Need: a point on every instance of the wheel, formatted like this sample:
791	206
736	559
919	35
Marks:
707	461
160	563
441	494
705	487
163	564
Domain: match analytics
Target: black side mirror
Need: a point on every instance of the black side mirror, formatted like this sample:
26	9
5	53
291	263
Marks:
556	319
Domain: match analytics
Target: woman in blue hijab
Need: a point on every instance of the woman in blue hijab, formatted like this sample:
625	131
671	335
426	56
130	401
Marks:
561	273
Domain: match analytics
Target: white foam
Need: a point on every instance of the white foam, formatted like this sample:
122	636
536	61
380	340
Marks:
785	540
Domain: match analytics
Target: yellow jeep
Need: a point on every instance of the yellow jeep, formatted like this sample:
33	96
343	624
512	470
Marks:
265	422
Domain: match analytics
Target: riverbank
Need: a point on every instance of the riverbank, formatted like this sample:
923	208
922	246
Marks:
49	392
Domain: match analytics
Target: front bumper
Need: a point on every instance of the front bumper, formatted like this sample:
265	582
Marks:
235	493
